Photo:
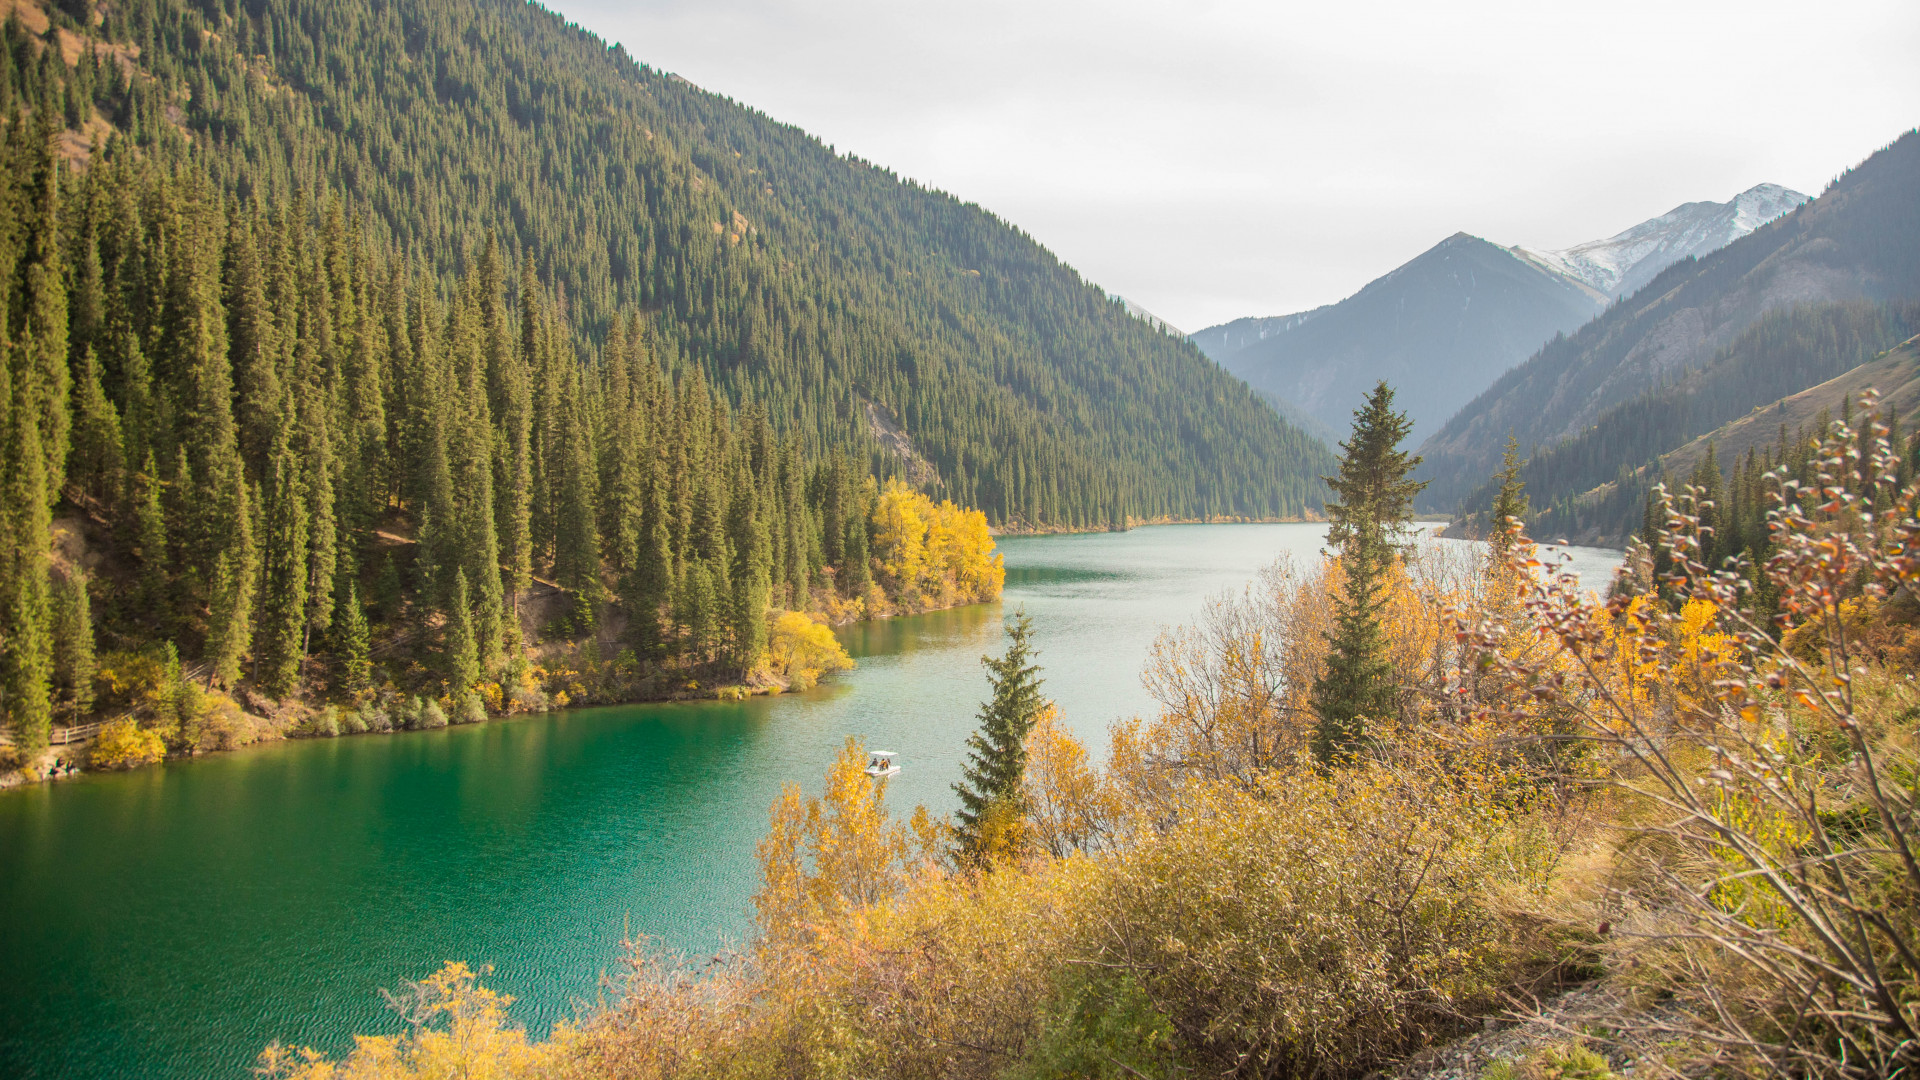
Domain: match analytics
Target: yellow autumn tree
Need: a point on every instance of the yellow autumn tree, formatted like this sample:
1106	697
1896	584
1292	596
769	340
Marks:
929	555
802	649
825	857
456	1028
1070	806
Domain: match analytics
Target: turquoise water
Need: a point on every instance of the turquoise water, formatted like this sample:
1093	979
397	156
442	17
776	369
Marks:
172	921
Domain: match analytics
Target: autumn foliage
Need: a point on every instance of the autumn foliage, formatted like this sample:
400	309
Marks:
932	555
1702	811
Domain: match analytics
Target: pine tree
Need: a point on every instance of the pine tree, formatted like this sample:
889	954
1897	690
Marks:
576	552
150	545
350	642
73	645
510	385
1369	522
1373	504
996	753
697	610
39	322
752	584
648	582
285	557
856	575
97	461
1509	503
236	574
26	638
463	656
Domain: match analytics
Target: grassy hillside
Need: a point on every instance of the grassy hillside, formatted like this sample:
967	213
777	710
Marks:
1859	241
809	282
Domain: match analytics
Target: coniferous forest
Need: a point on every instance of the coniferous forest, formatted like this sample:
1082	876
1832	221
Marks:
334	370
814	284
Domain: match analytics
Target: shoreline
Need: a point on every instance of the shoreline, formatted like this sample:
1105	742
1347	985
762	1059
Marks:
1019	529
287	722
276	728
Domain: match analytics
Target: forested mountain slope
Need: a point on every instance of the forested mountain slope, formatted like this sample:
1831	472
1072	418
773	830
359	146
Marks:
1438	328
805	281
1733	456
1788	350
1859	241
249	455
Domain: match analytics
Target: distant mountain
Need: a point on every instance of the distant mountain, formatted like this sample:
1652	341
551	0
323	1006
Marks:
1439	329
1623	263
1444	326
1860	240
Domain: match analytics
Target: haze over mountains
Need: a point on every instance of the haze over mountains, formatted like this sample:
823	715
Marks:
1445	325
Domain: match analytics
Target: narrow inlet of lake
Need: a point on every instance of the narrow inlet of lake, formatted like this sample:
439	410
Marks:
172	921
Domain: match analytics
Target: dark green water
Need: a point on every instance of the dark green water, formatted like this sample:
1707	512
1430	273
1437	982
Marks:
170	922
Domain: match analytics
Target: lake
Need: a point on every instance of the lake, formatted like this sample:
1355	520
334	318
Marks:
171	921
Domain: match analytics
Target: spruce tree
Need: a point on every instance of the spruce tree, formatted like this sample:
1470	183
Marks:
1509	502
26	633
150	545
236	574
510	385
39	320
97	460
996	763
648	582
73	645
576	552
285	556
350	642
752	584
1370	516
463	655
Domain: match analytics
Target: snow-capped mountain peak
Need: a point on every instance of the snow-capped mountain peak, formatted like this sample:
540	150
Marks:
1621	264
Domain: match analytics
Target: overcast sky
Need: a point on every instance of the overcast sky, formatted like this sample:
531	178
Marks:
1216	158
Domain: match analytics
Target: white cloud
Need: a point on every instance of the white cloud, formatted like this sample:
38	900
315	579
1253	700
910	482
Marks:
1219	158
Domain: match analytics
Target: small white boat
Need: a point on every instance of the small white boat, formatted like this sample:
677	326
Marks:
880	763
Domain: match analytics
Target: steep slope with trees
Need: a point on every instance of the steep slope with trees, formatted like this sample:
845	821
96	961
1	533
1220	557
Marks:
794	277
1730	461
1788	350
1860	240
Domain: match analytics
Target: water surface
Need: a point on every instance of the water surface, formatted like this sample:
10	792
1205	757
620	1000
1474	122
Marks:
170	922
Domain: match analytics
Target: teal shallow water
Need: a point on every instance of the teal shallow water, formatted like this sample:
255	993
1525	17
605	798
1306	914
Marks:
170	922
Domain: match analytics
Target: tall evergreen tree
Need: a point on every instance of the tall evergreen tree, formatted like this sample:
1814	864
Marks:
1369	523
73	644
1510	501
996	763
97	462
26	633
463	654
350	642
151	545
285	558
236	575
